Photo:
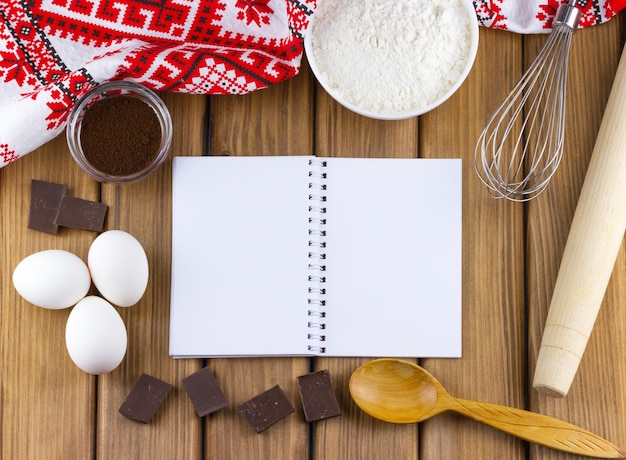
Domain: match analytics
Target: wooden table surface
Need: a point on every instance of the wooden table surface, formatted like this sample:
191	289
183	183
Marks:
49	409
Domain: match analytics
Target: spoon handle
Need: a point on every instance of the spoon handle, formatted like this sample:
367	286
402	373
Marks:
540	429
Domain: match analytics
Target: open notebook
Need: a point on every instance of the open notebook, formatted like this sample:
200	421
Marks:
299	255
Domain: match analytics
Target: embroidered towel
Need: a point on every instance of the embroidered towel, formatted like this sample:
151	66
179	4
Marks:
54	51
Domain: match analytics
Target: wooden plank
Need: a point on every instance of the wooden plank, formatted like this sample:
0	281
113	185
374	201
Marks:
492	367
340	132
144	210
46	402
355	435
273	121
596	395
51	409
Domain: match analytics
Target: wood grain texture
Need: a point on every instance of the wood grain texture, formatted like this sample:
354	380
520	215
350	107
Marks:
144	210
49	409
399	391
593	243
47	404
354	435
597	390
274	121
493	257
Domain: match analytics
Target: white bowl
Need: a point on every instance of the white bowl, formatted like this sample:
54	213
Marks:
349	69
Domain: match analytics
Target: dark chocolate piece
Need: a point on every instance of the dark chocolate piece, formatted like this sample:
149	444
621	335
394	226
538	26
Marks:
265	409
144	398
205	393
45	200
317	395
83	214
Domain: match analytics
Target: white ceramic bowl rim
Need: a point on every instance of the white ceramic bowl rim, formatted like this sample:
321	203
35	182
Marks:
473	49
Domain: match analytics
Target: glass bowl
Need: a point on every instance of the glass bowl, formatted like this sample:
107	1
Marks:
119	132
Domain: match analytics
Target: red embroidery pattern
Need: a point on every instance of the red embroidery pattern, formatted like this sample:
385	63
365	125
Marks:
64	95
30	58
12	67
193	46
53	51
299	14
501	14
591	13
547	12
99	22
490	14
6	154
257	11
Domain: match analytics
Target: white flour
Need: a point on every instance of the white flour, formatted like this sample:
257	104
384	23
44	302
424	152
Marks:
391	56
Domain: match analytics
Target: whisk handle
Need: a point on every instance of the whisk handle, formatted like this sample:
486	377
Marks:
591	249
567	15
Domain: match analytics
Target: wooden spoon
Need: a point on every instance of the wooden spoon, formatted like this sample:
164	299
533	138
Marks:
398	391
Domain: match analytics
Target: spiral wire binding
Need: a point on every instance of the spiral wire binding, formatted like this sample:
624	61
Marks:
317	256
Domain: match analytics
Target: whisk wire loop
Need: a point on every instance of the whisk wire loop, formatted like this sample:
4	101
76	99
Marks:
522	144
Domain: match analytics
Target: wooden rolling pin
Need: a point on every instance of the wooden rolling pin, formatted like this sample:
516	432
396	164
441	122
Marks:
592	246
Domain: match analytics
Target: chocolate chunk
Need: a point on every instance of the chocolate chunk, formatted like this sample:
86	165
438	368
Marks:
84	214
205	393
265	409
45	200
144	398
317	395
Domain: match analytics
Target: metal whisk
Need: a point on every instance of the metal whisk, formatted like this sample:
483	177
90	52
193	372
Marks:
519	166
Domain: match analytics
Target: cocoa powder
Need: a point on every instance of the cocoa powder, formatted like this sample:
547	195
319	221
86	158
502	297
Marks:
120	135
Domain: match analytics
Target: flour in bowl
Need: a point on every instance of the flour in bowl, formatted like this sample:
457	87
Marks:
391	56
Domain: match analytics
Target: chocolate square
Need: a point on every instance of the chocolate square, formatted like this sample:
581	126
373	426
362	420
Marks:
265	409
205	393
144	398
45	200
83	214
317	395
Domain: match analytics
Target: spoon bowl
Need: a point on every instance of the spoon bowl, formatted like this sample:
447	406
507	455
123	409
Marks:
395	392
399	391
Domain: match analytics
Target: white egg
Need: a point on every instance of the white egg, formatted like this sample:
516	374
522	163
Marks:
95	336
119	267
53	279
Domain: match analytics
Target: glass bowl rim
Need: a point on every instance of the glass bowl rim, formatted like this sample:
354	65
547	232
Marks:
112	89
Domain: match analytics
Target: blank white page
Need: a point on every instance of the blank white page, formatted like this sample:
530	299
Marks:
239	256
393	257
